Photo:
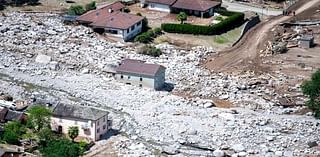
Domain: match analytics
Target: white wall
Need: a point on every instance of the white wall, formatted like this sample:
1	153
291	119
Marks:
135	80
129	33
159	7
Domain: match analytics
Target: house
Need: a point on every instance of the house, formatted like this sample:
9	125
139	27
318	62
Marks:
160	5
202	8
10	115
111	19
306	41
141	74
93	123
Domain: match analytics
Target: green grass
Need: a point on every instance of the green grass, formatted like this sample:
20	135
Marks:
228	37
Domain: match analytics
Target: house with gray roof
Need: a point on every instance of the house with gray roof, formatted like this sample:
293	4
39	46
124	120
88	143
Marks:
93	123
141	74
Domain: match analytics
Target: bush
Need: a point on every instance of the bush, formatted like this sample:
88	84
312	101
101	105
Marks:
148	36
76	10
138	14
142	38
157	31
150	50
219	18
311	89
91	6
233	21
13	132
61	148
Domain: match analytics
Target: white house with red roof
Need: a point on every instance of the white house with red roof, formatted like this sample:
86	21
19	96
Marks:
139	73
111	19
202	8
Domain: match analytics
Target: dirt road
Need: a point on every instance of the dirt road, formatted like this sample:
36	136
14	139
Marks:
245	53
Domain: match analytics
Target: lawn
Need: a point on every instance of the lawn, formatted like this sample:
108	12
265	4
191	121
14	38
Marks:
216	41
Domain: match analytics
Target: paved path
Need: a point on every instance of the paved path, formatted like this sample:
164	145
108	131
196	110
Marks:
235	6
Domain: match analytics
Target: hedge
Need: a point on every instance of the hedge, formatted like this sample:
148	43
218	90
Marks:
148	36
233	21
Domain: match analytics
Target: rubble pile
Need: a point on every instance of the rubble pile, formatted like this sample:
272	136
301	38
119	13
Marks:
71	63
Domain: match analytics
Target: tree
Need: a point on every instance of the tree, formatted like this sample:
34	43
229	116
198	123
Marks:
39	118
13	132
91	6
45	136
60	148
73	132
76	10
182	16
311	88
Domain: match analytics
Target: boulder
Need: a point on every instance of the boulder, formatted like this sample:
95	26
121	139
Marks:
238	148
218	153
44	59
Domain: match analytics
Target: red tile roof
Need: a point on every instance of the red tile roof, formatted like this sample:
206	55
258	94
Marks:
198	5
118	20
167	2
101	12
138	67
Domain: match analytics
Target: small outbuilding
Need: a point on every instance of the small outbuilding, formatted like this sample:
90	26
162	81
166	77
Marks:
306	41
141	74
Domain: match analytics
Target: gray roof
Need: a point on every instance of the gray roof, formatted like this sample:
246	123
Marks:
138	67
77	111
13	115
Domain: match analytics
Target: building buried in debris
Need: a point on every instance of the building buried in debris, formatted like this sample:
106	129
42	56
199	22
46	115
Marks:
306	41
141	74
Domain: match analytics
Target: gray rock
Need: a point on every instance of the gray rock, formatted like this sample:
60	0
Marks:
238	148
208	105
218	153
278	153
312	144
44	59
288	154
51	32
242	154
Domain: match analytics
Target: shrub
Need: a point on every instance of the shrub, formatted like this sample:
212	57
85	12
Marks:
311	88
157	31
76	10
13	132
150	50
142	38
148	36
182	16
219	18
139	14
91	6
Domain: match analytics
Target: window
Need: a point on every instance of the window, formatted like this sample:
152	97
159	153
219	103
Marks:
140	78
128	77
132	28
121	76
104	119
128	30
98	123
152	5
140	85
98	130
104	127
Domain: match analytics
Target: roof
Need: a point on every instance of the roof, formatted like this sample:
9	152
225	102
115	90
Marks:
13	115
101	12
307	37
118	20
138	67
77	111
198	5
167	2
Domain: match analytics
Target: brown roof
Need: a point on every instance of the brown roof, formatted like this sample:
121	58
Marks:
101	12
167	2
118	20
198	5
138	67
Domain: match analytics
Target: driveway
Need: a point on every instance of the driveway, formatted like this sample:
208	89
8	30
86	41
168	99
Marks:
235	6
